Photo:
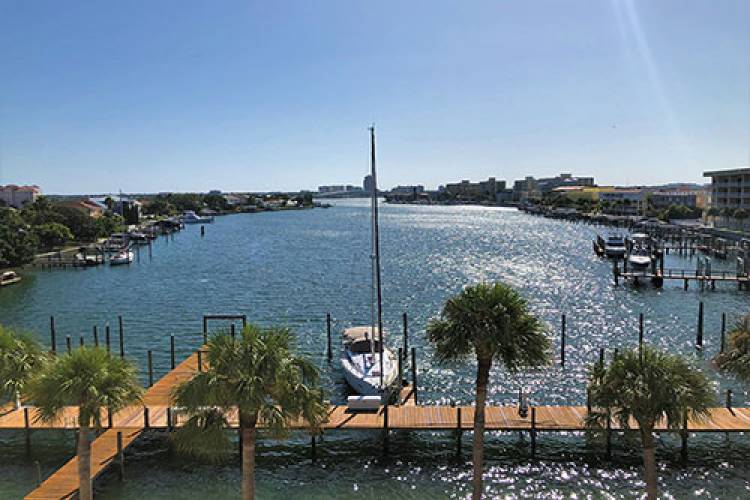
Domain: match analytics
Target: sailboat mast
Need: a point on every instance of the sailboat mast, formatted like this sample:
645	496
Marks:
376	238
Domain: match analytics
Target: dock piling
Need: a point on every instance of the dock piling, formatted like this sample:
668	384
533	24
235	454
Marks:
96	336
699	332
200	360
459	431
562	342
171	351
533	431
146	422
122	337
52	335
406	334
684	439
150	369
107	338
729	400
385	422
109	418
67	343
120	457
414	372
723	331
329	352
27	429
205	330
232	331
81	340
313	455
400	368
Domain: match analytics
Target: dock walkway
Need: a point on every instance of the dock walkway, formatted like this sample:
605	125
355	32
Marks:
406	414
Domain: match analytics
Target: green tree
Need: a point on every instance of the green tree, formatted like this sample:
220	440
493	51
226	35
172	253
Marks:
21	357
215	202
108	224
110	203
736	357
158	206
52	235
492	322
93	380
18	244
259	374
648	386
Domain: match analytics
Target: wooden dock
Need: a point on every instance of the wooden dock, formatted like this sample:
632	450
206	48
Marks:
405	414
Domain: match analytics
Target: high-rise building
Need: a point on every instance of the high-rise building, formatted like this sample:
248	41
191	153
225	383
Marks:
368	185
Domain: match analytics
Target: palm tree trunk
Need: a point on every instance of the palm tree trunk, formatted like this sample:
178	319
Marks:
483	375
18	400
248	462
649	463
84	463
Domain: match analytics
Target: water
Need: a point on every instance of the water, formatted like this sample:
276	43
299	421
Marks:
291	268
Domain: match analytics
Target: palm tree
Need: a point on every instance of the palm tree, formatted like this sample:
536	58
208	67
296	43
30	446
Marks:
20	358
258	374
736	358
492	322
648	386
93	380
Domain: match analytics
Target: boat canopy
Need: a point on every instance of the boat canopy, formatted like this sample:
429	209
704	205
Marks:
358	333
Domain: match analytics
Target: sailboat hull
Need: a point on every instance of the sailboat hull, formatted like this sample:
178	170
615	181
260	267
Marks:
368	384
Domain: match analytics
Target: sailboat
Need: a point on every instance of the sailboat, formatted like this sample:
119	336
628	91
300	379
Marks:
369	366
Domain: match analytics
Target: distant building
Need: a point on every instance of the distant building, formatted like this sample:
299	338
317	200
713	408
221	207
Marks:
476	191
18	196
622	201
730	188
88	207
130	210
546	185
368	184
525	190
664	199
408	190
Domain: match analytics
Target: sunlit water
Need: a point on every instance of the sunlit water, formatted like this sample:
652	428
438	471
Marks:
291	268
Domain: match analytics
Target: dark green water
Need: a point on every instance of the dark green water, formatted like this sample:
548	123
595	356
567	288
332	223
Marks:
292	267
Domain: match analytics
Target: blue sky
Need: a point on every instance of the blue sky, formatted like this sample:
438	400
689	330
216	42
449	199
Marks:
183	95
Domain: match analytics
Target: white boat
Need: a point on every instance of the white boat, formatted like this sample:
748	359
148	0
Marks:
123	257
190	217
9	278
639	258
360	360
370	368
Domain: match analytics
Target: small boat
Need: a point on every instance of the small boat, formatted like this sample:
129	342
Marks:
360	360
190	217
9	278
138	237
124	256
639	258
613	245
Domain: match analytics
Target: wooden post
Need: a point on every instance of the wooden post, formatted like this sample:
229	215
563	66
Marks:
699	332
120	457
562	342
67	343
52	335
640	331
729	399
533	431
406	334
122	337
684	437
96	336
723	331
200	360
400	369
232	332
414	372
609	435
107	339
27	429
588	400
459	431
312	448
329	353
80	340
171	351
169	418
601	357
150	370
385	423
146	422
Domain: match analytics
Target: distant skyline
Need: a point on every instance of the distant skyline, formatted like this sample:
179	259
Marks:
259	96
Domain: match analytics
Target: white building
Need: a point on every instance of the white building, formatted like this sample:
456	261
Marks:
18	196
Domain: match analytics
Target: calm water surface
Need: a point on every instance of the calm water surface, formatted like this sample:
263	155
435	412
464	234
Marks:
291	268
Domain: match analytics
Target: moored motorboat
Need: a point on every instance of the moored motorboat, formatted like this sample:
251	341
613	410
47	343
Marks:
639	258
9	278
190	217
614	246
360	360
124	256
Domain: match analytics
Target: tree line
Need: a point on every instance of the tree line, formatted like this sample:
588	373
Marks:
44	226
